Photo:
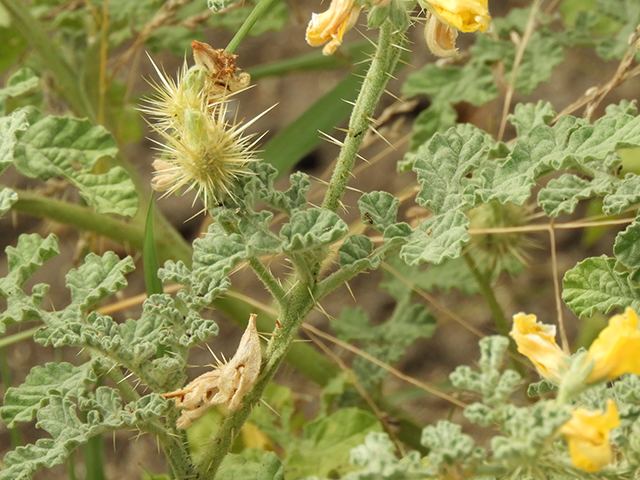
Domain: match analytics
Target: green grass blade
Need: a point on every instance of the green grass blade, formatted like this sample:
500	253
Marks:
150	254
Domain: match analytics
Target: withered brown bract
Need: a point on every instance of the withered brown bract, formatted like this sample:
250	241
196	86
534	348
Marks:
226	384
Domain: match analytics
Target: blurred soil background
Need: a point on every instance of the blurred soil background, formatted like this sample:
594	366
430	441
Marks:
430	360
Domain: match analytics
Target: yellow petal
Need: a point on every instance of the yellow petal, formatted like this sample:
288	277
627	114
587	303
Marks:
537	342
587	434
615	351
465	15
440	37
331	25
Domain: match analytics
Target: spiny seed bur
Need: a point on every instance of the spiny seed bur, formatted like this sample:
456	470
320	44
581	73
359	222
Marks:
226	384
203	145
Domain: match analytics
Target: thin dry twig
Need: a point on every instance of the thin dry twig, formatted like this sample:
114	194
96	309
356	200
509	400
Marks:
421	385
594	95
556	287
522	46
380	415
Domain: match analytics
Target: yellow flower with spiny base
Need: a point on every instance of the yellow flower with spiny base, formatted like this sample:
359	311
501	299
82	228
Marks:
587	434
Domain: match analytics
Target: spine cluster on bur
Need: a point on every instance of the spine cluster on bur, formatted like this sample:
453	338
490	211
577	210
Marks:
203	146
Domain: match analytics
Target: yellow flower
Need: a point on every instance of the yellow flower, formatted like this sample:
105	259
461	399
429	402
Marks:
587	434
463	15
537	342
331	25
616	349
613	353
446	17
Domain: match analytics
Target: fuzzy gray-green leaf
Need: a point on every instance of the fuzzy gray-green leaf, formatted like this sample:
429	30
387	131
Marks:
20	83
627	194
9	126
356	250
379	209
442	165
7	198
70	148
569	142
21	403
440	237
594	285
311	229
561	195
627	246
27	257
97	278
528	116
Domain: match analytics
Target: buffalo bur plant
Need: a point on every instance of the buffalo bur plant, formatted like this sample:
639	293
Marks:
548	410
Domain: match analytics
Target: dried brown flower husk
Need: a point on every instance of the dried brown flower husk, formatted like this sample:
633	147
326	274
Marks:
224	75
226	384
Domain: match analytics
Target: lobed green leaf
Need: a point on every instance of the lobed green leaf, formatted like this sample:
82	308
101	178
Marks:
22	403
561	195
378	460
358	250
97	278
10	126
71	148
312	228
439	237
527	116
447	444
594	285
626	195
379	209
7	198
22	82
442	165
627	246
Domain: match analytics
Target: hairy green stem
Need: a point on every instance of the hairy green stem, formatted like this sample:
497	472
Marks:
94	457
127	391
174	447
169	243
68	82
344	274
267	278
301	299
253	17
382	66
499	318
18	337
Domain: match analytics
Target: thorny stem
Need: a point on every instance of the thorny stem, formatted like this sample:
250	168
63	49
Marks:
344	274
382	66
174	448
302	297
267	278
